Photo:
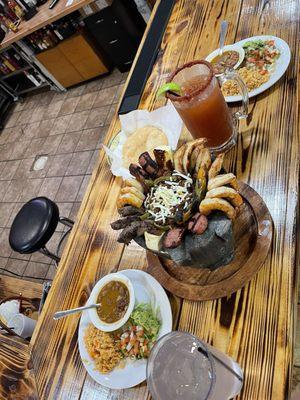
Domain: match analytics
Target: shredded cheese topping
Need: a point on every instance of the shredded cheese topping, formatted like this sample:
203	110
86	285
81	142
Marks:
163	198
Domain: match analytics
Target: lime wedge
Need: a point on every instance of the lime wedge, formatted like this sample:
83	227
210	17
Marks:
166	87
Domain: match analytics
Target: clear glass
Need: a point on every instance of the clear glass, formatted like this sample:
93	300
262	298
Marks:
182	367
202	106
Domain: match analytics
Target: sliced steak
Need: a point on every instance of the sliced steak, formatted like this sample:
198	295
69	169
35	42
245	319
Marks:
129	233
123	222
147	226
130	210
137	228
173	238
148	164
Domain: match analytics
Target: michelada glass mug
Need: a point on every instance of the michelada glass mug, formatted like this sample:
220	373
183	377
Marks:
182	367
202	106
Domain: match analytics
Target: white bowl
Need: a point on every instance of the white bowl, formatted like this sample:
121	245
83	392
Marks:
97	322
229	47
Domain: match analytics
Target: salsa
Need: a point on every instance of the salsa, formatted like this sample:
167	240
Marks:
261	55
221	62
114	301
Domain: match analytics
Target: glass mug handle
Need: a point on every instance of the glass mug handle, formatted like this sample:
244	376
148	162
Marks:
232	75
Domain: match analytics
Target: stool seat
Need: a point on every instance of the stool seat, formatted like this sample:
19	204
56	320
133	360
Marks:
34	225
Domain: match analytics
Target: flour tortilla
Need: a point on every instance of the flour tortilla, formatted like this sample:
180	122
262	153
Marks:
143	139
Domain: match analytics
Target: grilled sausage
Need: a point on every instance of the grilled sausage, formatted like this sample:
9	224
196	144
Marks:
173	238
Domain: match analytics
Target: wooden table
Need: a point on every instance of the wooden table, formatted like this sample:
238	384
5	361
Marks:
43	18
256	324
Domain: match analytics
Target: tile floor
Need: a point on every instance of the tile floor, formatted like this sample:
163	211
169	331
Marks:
68	128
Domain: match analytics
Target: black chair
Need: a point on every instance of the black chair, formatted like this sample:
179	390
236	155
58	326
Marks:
34	226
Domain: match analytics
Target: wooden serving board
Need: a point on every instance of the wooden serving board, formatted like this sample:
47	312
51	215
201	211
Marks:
253	230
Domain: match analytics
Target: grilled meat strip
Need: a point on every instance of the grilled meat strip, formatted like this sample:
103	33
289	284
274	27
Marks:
137	228
148	164
164	165
140	175
138	172
130	210
123	222
173	238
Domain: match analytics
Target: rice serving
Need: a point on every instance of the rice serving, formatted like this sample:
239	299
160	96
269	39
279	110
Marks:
103	348
252	79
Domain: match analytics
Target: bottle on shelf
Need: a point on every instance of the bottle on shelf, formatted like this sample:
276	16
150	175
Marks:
8	23
4	69
11	60
56	32
2	33
29	8
52	37
16	8
49	36
5	10
9	65
32	78
17	60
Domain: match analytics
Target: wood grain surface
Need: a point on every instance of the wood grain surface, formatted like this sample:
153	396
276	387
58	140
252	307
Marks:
10	286
253	231
256	324
17	378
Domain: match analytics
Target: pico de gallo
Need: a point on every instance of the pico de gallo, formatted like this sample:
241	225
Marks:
140	333
261	55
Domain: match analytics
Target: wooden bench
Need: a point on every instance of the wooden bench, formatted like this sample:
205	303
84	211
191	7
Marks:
16	367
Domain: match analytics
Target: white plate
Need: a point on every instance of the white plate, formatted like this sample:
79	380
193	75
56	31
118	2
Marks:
147	290
280	67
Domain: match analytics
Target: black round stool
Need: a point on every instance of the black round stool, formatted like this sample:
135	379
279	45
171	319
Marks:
34	226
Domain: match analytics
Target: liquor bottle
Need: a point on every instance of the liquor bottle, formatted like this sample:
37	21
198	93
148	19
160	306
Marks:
8	23
35	43
16	8
18	60
5	10
28	7
2	33
1	69
56	32
9	65
32	78
4	68
11	59
52	36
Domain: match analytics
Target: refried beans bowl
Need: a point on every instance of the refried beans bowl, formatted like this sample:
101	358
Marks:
112	283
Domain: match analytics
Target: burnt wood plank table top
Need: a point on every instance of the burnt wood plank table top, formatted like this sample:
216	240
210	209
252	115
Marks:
43	18
256	324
